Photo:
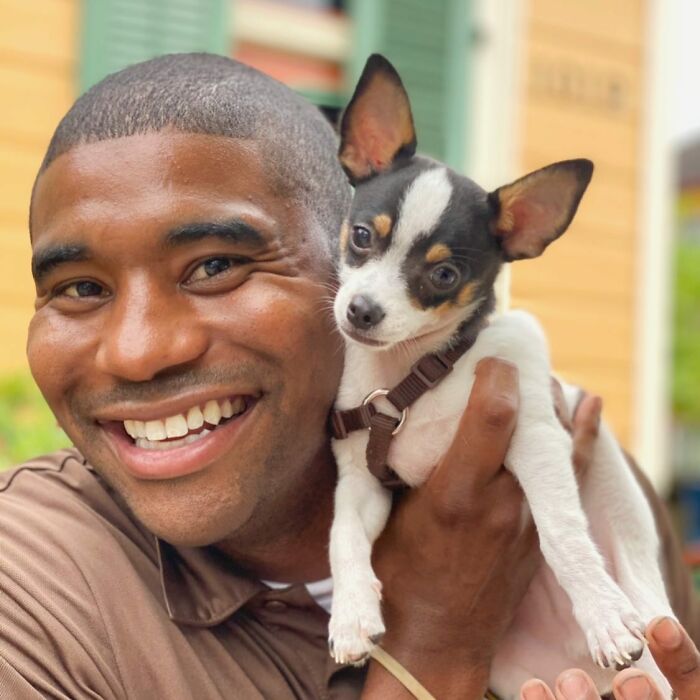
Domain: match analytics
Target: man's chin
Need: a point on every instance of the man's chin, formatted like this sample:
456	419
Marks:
190	511
189	516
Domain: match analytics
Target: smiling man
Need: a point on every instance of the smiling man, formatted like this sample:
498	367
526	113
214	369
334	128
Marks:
182	225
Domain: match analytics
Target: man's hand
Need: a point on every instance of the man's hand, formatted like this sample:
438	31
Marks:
671	647
456	558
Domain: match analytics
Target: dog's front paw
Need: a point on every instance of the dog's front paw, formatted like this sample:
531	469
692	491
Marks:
616	640
356	625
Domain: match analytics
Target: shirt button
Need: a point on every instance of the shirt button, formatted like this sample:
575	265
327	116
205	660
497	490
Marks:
275	605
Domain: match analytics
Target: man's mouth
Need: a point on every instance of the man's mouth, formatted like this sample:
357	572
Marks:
166	447
184	428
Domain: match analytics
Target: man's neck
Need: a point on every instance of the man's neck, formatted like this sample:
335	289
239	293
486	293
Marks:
294	549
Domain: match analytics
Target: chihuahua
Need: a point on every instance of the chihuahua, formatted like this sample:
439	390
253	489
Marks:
420	252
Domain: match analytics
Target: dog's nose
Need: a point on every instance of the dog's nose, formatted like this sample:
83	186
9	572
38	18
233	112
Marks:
363	313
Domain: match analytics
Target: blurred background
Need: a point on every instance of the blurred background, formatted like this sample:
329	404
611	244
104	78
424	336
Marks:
499	88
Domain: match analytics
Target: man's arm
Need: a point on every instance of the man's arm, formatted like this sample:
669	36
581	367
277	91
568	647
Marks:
454	558
473	533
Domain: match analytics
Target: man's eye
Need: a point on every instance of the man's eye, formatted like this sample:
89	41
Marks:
361	239
82	289
210	268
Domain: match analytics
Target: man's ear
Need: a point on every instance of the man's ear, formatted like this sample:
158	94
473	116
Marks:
377	125
535	210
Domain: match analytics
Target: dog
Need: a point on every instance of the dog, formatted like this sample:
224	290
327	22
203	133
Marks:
419	255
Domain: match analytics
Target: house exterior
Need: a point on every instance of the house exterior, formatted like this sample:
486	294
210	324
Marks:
499	88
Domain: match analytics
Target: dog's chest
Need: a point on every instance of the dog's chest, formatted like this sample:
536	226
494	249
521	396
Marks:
429	430
432	420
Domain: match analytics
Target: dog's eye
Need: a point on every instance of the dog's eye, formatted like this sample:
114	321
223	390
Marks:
444	277
361	238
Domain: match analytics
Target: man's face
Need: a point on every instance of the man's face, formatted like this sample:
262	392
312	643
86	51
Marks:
170	274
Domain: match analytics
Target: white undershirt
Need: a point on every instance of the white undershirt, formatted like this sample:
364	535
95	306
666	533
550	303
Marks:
320	591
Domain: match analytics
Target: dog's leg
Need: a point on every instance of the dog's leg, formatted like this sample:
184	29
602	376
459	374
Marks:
540	457
611	494
362	507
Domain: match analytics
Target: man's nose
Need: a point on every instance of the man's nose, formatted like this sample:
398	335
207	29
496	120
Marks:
147	334
363	313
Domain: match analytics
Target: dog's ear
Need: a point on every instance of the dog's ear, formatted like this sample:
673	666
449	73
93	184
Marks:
377	125
535	210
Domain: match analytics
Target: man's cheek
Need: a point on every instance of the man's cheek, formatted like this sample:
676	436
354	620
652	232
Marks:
45	358
57	359
290	315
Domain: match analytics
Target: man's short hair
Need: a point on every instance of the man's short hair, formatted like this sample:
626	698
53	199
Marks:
208	94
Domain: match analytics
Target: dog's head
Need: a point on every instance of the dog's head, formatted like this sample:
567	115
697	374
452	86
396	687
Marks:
422	245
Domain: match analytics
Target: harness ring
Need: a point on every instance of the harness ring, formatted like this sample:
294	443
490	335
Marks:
383	392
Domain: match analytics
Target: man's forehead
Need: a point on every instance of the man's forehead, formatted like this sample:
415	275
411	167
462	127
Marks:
133	169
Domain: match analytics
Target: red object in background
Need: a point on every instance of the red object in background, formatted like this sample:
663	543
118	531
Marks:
299	72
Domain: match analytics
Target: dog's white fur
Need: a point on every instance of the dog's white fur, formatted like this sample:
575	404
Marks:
601	582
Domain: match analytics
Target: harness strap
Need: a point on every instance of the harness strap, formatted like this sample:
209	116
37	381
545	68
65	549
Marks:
426	373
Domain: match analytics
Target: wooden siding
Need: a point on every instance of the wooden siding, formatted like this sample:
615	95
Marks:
583	96
37	69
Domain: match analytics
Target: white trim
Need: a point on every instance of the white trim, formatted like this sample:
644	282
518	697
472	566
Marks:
496	96
315	33
651	418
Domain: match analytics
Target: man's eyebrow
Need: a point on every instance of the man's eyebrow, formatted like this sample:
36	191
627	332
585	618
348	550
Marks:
46	259
234	231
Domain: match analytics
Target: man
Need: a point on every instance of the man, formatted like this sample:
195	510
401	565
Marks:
182	224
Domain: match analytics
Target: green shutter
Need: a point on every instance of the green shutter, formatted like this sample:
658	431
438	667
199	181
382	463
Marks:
429	43
117	33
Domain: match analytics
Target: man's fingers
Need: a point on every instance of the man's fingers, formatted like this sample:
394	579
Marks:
479	447
586	424
575	685
560	407
632	684
676	656
536	690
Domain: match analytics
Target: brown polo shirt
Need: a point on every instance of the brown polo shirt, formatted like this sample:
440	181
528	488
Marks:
94	606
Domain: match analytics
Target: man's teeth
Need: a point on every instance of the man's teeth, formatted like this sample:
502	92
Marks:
212	413
148	434
195	419
176	426
170	444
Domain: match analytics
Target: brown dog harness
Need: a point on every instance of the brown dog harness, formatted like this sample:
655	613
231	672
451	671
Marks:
429	371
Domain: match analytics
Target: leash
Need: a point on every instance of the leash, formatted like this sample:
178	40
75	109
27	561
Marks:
426	373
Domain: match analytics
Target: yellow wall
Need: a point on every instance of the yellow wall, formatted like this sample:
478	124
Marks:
583	93
583	97
37	84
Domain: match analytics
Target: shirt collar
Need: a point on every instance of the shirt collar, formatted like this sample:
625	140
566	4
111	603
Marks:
201	586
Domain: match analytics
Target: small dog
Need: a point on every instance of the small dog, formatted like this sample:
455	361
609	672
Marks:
420	252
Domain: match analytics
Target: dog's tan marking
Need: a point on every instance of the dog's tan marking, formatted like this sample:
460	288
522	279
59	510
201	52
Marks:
466	294
344	235
415	303
445	307
437	253
382	224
